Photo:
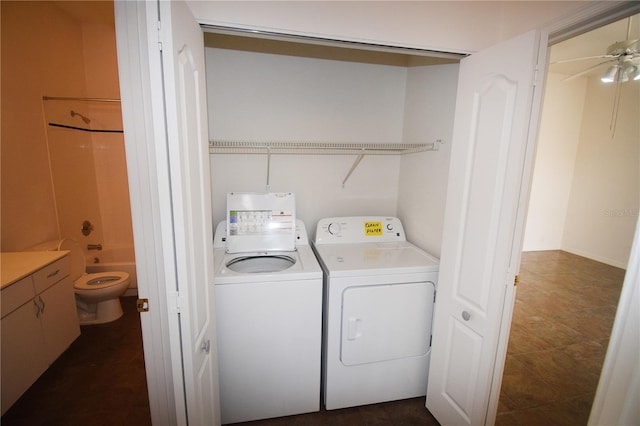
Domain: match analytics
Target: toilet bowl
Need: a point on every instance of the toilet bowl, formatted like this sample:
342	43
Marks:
97	295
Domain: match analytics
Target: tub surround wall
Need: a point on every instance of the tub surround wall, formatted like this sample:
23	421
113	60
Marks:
71	157
109	154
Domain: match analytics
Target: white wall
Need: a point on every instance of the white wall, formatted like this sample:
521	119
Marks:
264	97
605	194
429	112
555	161
586	185
453	26
259	96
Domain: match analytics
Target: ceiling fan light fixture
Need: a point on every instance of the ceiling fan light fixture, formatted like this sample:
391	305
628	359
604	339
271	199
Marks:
629	71
632	73
611	74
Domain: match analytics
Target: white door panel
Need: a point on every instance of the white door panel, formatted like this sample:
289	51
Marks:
187	142
491	133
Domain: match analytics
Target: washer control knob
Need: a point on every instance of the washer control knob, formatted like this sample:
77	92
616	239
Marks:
389	227
334	228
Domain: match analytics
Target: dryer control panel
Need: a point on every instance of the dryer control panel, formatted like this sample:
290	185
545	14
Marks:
359	229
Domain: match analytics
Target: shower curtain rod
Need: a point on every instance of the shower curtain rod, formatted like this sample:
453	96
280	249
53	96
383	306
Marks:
62	98
64	126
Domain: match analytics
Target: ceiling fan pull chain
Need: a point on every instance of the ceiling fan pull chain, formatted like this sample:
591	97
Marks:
614	113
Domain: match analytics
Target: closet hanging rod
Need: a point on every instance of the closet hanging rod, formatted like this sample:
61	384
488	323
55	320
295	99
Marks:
64	98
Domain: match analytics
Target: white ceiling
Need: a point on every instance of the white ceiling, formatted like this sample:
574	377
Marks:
593	43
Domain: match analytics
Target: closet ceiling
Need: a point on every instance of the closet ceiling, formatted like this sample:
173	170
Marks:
347	52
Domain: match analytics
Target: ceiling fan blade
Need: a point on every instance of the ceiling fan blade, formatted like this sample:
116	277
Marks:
563	61
583	72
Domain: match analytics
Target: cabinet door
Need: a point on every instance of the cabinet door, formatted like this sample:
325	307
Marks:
59	318
23	356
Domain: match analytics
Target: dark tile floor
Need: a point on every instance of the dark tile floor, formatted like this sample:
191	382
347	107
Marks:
407	412
99	380
562	320
564	311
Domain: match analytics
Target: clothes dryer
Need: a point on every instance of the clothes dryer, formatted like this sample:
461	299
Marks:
379	295
268	292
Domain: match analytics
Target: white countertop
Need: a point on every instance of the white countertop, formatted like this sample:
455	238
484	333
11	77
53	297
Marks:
17	265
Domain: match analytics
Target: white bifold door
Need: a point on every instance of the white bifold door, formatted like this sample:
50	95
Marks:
494	136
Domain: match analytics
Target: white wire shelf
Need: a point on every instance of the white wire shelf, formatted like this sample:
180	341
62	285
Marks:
269	148
317	148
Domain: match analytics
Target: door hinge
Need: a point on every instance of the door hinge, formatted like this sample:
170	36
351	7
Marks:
142	305
516	281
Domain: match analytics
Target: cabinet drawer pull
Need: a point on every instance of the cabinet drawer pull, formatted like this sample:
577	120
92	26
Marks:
53	274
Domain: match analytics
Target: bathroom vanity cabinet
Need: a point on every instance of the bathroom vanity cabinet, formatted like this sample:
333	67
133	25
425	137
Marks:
39	318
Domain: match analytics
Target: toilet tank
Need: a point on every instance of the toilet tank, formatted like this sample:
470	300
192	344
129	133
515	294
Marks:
76	255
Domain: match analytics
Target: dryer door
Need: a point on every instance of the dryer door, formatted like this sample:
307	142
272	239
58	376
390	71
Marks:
386	322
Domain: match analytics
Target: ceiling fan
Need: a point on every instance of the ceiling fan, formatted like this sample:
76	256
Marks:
622	58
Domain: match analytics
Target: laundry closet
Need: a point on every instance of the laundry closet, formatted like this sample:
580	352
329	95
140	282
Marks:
497	99
279	93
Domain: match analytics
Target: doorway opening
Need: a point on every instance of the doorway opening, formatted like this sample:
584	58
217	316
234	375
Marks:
582	215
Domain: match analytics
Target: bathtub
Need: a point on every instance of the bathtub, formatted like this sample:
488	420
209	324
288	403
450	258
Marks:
114	259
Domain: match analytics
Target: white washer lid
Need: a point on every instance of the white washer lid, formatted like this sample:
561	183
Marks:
260	222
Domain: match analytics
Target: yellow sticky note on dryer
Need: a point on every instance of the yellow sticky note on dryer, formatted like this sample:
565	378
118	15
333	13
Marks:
372	229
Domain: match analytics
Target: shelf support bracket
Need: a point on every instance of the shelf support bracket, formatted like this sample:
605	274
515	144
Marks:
355	164
268	168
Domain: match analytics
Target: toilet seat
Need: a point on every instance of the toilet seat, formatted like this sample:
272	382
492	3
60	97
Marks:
100	280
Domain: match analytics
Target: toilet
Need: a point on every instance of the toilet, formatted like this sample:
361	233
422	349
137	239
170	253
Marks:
97	295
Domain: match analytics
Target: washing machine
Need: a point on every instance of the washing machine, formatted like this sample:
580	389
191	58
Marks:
268	292
379	295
